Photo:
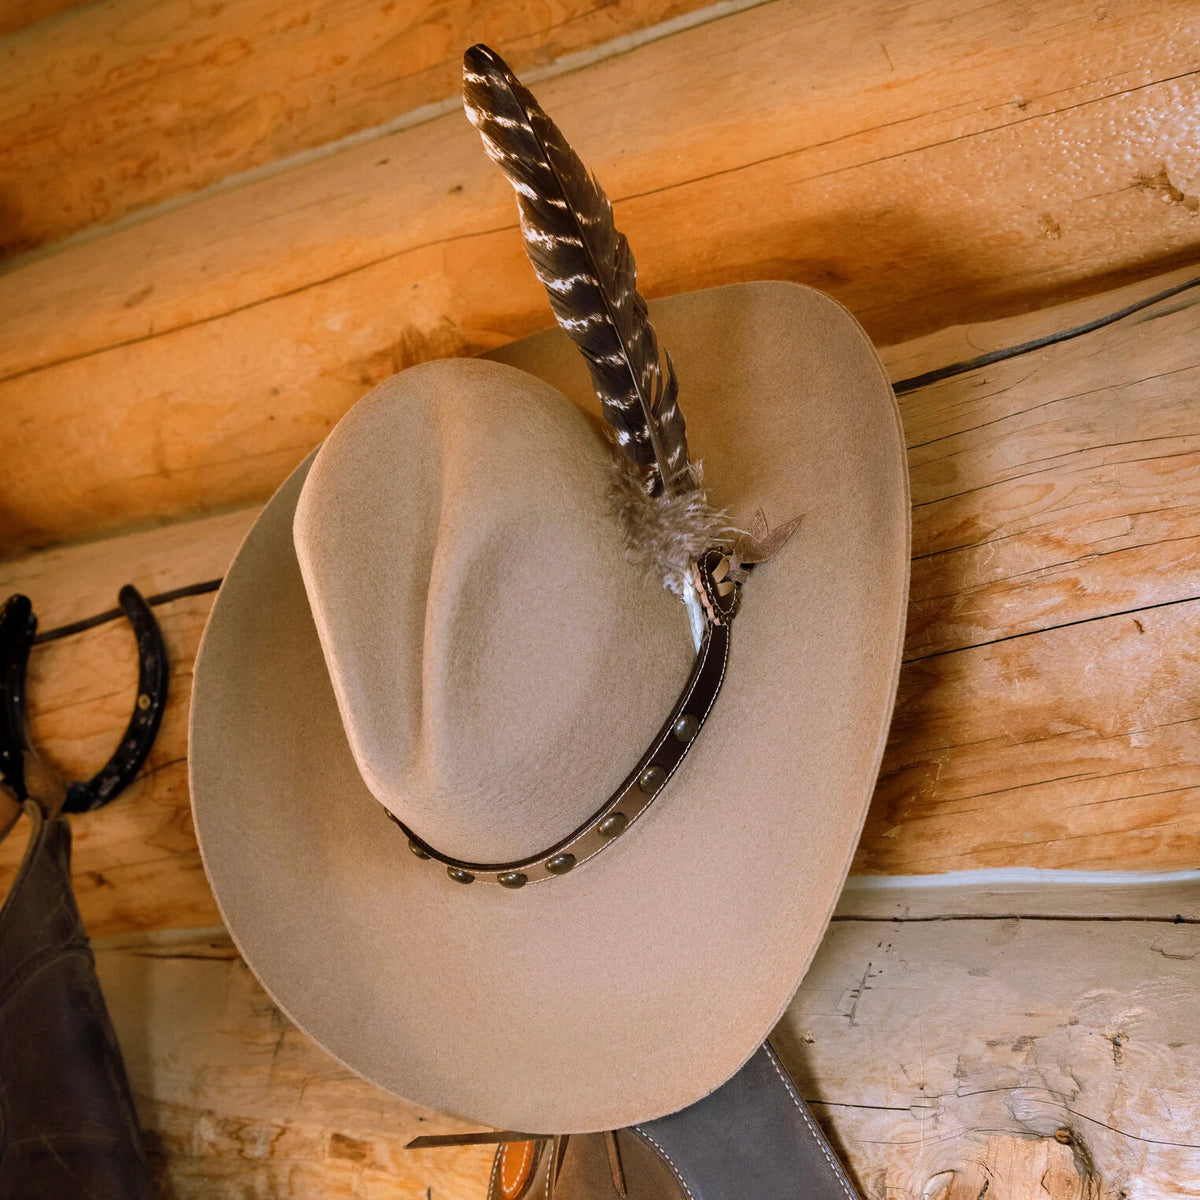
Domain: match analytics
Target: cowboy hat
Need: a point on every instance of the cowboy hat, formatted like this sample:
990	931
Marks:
433	625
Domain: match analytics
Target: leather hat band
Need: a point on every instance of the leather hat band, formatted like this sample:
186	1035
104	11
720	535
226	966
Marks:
719	597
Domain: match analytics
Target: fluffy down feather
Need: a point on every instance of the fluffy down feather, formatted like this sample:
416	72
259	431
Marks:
666	533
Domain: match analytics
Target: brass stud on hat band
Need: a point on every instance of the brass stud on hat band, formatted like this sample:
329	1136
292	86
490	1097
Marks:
644	782
685	728
612	825
651	779
415	846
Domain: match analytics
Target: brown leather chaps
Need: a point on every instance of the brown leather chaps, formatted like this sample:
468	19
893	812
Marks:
68	1127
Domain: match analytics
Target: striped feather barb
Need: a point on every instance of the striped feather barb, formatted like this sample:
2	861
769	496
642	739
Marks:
590	275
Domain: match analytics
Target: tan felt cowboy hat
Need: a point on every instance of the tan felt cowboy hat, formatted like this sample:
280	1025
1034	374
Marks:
433	630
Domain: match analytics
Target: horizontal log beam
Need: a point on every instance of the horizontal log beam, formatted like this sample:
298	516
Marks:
1008	1057
134	103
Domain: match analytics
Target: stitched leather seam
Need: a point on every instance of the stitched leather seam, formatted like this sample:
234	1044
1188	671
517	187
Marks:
642	1133
493	1192
498	1165
523	1168
838	1173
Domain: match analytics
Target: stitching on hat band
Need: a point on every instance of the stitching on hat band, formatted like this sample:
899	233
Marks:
647	779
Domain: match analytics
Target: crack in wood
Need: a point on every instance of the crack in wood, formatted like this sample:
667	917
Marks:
1051	570
1056	459
1008	637
1113	386
1176	919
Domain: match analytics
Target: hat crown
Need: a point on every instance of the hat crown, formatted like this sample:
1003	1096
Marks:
472	632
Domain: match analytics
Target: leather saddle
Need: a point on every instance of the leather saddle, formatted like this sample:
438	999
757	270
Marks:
752	1139
69	1127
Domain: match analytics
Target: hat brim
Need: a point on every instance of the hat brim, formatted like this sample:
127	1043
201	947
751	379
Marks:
642	981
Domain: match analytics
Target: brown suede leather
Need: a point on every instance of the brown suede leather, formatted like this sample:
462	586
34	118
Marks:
67	1122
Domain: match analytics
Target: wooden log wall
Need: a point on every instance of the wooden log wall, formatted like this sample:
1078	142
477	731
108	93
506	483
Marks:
21	14
927	163
1046	1056
226	222
142	100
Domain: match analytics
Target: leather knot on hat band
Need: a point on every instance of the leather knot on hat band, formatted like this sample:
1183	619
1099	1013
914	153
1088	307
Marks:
720	596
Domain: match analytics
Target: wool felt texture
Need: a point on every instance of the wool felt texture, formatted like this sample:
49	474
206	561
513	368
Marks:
501	665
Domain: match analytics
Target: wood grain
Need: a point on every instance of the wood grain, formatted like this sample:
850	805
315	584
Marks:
132	102
945	164
923	1040
1072	748
940	1056
16	15
1049	705
1055	495
72	583
1168	897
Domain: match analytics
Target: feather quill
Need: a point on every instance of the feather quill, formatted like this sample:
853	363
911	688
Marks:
590	275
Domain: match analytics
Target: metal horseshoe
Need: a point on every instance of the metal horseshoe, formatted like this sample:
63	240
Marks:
23	774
